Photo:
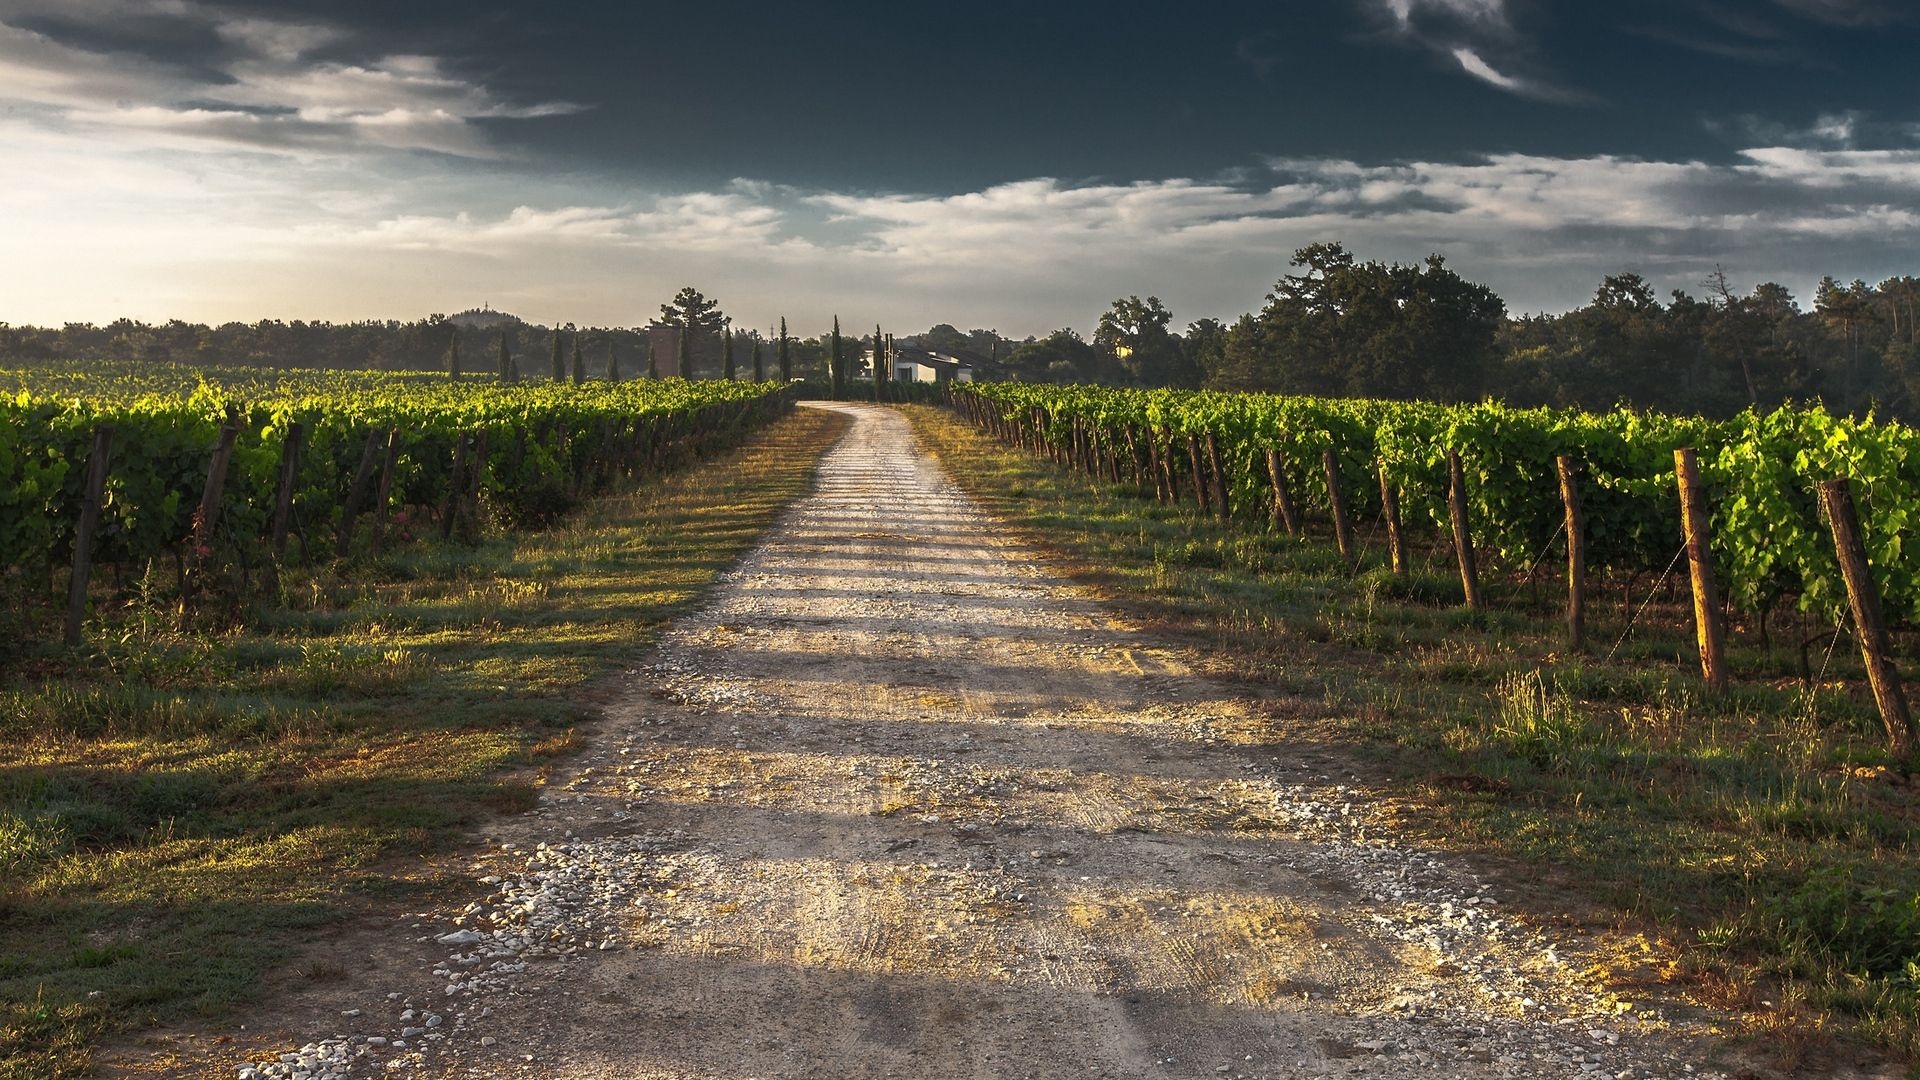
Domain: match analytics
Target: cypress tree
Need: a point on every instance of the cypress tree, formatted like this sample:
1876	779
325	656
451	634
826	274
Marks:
686	351
837	364
759	369
786	356
579	363
653	362
726	353
613	361
506	358
453	355
559	358
879	364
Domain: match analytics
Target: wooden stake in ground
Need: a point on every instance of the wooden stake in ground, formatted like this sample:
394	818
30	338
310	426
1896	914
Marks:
456	486
1390	509
383	491
216	488
357	493
1706	602
1284	511
1462	531
1337	503
1576	554
1221	505
1200	498
83	532
283	497
1863	595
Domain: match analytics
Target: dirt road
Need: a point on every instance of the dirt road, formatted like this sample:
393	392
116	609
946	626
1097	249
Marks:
899	803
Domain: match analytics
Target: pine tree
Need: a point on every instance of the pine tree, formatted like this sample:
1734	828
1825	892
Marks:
786	355
613	361
726	354
453	355
559	358
759	369
837	363
579	363
653	362
506	358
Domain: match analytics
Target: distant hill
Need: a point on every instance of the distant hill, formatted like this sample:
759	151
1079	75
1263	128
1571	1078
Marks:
484	318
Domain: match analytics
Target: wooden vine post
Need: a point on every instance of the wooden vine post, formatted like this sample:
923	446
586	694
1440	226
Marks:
216	489
283	495
456	486
91	498
383	491
1337	503
357	493
1706	601
1863	596
1462	531
1390	509
1221	505
1284	511
1157	461
1199	474
1576	554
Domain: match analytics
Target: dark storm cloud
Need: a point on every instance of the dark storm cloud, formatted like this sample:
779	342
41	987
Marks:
1029	160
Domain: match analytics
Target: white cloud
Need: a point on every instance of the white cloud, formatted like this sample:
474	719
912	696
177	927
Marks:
1483	11
99	229
270	95
1471	63
1468	32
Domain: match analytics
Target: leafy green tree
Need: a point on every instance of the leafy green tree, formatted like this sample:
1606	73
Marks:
759	368
1846	310
1063	357
613	362
453	355
1134	332
579	363
1203	349
726	354
559	370
699	321
1343	328
506	358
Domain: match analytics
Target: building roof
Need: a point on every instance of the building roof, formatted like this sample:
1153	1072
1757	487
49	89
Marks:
937	361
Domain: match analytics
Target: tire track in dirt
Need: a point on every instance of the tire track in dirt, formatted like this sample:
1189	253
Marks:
899	803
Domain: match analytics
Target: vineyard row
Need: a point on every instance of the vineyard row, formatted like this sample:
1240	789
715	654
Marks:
1792	505
211	482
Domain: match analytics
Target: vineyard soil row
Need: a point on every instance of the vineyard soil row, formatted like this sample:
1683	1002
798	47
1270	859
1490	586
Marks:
899	800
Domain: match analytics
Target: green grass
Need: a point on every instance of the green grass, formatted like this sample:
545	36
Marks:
177	809
1763	839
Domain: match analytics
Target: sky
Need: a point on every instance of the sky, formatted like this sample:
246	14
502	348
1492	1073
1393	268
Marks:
1014	166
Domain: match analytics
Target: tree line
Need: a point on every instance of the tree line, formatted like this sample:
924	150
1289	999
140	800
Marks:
1341	327
1334	325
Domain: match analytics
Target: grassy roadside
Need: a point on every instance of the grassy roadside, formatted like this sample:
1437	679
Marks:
176	810
1761	844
